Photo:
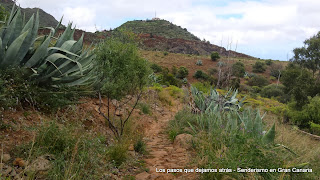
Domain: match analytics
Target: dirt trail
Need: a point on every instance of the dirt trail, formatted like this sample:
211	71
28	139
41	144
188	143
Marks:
162	153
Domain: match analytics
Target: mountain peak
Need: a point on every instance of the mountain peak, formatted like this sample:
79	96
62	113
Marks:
159	27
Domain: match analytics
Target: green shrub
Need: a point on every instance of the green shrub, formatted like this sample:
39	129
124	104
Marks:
174	70
259	67
235	83
272	90
182	72
156	68
215	56
145	108
212	71
202	86
201	75
238	69
118	153
140	146
255	89
315	128
258	80
18	92
269	62
165	53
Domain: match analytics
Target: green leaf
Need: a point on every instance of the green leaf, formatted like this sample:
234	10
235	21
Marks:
270	135
11	53
39	54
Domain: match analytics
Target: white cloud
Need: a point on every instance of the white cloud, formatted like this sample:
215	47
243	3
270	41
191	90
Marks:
266	28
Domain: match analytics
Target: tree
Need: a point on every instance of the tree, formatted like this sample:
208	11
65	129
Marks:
308	56
123	74
215	56
299	83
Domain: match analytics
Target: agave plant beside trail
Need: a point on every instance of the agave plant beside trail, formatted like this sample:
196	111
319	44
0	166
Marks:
50	60
213	99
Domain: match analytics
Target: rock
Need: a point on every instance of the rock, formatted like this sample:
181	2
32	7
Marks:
6	158
183	140
40	164
19	162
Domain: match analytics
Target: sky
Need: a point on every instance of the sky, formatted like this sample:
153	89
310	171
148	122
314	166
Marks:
267	29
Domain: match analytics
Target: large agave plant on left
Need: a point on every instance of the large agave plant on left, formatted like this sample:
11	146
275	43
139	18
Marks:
52	61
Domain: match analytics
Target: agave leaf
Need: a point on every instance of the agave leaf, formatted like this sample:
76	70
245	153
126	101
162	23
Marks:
62	50
28	41
57	27
65	36
18	27
77	47
10	57
39	54
68	45
13	12
9	31
285	147
270	135
1	51
79	82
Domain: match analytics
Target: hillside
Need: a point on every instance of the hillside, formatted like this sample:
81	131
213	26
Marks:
159	28
46	20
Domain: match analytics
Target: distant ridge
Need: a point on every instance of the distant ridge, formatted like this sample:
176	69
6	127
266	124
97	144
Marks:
46	20
159	27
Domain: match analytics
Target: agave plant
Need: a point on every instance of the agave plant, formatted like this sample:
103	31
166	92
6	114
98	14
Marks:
207	103
64	63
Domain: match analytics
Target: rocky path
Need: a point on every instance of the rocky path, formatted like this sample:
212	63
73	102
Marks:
163	154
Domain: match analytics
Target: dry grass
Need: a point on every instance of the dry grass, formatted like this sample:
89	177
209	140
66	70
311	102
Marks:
308	149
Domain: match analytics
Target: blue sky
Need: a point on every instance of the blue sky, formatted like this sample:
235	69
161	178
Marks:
267	29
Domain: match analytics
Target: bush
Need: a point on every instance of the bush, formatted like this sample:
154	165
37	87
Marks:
122	69
182	72
259	67
272	90
174	70
199	63
238	69
258	80
18	92
269	62
140	146
215	56
212	71
235	83
118	153
145	108
201	75
165	53
156	68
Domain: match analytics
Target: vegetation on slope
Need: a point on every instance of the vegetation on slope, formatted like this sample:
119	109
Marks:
46	20
159	28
